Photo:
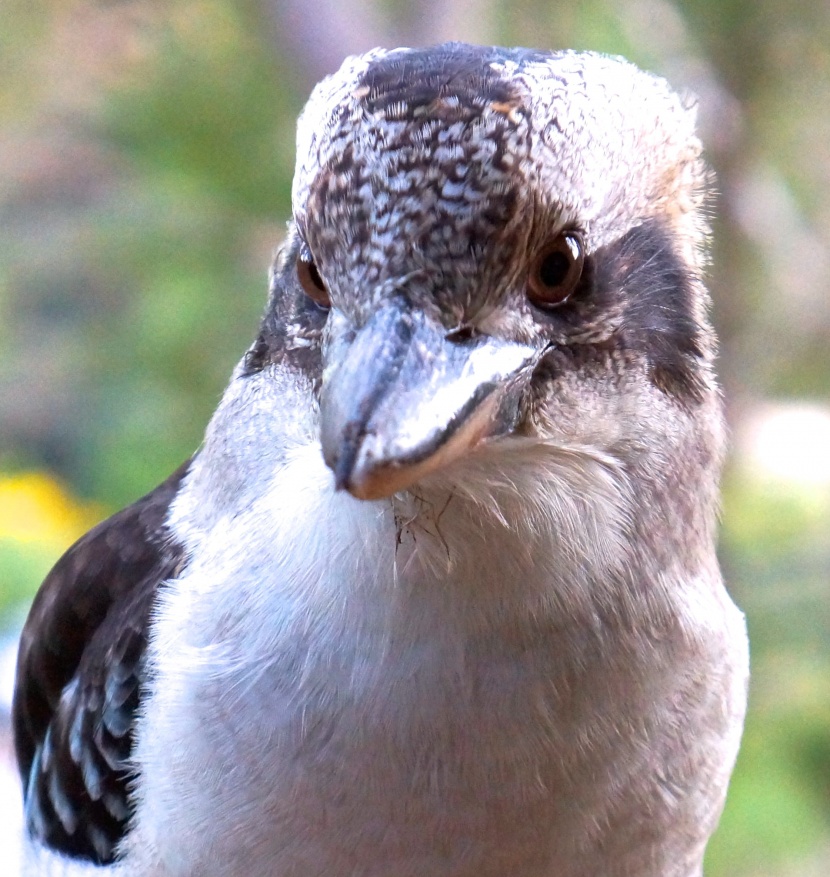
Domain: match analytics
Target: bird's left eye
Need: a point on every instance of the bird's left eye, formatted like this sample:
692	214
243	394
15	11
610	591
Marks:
312	283
556	270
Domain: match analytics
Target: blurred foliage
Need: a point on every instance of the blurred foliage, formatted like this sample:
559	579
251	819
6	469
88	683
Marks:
147	151
139	233
777	557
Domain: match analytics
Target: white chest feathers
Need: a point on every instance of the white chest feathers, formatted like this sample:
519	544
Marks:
447	685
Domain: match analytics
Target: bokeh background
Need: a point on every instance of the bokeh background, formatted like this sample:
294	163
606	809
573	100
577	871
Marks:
146	151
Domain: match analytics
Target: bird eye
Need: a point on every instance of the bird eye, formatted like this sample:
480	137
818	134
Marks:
556	270
311	281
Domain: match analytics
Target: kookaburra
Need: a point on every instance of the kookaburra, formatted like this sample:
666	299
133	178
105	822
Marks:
438	595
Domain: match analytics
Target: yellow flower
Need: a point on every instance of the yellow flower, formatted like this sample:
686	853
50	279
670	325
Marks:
36	508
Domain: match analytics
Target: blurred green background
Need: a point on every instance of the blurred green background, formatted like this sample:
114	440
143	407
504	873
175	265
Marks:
146	152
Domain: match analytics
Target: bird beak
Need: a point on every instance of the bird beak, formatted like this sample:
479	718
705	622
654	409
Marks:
403	398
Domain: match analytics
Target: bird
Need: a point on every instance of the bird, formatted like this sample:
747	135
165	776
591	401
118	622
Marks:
438	594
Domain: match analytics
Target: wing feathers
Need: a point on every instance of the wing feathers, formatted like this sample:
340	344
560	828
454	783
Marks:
79	676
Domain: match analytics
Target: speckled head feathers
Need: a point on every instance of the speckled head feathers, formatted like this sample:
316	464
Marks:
507	144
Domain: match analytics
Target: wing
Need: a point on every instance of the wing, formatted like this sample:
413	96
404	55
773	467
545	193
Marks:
79	675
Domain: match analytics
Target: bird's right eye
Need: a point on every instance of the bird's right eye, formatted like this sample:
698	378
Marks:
312	283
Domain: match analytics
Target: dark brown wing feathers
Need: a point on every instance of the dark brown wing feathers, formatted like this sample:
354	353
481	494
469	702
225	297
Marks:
79	674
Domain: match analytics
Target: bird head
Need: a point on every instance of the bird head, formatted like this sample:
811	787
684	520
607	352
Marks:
491	246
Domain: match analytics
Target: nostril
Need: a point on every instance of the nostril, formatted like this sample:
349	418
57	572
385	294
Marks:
462	333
